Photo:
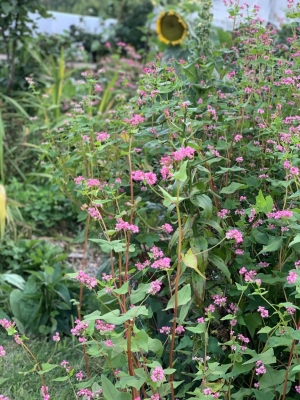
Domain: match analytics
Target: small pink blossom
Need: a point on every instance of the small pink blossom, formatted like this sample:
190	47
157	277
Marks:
2	351
291	278
155	286
165	329
157	374
167	228
56	337
234	234
88	281
263	312
79	376
180	329
102	136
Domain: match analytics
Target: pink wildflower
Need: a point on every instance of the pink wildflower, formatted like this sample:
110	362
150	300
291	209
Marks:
79	376
56	337
88	281
260	370
2	351
162	263
183	152
167	228
180	329
102	136
291	278
263	312
45	394
235	234
150	178
157	374
135	120
165	329
78	180
155	287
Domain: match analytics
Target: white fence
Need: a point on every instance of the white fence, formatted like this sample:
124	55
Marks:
270	10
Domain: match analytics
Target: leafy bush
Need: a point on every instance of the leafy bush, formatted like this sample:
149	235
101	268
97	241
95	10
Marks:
42	207
192	190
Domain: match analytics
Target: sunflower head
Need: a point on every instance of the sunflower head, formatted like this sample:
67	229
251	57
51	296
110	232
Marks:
171	28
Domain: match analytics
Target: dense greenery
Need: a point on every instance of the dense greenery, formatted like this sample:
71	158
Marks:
184	171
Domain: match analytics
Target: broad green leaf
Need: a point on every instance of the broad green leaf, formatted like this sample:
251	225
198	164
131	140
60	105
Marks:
204	202
170	199
200	328
219	263
181	174
266	329
253	321
123	289
267	358
111	393
190	260
274	244
184	296
233	187
47	367
295	241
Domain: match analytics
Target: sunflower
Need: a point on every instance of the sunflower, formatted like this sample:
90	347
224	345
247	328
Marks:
171	28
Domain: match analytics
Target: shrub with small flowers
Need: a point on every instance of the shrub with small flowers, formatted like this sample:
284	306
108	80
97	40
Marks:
196	205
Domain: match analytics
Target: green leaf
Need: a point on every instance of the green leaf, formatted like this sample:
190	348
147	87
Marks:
184	296
61	379
181	174
253	321
266	329
170	199
274	244
13	279
111	393
200	328
47	367
190	260
295	241
204	202
267	358
233	187
219	263
123	289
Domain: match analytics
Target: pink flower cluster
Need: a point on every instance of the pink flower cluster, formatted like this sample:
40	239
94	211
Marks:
79	328
165	329
149	177
103	327
126	226
135	120
235	234
280	214
56	337
6	324
219	300
2	351
88	394
3	398
180	329
292	277
102	136
167	228
183	152
45	394
261	369
157	374
208	392
263	312
94	213
155	286
87	280
79	376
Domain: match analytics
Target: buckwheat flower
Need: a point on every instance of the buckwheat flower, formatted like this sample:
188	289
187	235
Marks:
223	213
103	327
291	278
200	320
78	180
94	213
138	175
150	178
294	171
167	228
219	300
17	339
180	329
286	164
235	234
64	363
86	393
3	398
79	376
109	343
162	263
243	198
263	312
297	388
256	385
290	310
135	120
98	88
45	394
200	101
157	374
260	111
239	252
102	136
207	391
239	159
2	351
183	152
165	173
210	309
56	337
260	370
263	264
87	280
297	263
155	287
156	253
165	329
237	138
122	225
155	397
93	182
